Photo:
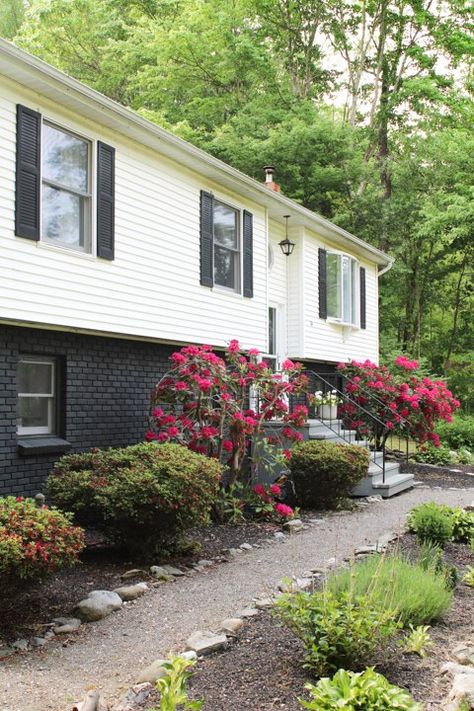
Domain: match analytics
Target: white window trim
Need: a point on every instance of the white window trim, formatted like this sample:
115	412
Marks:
52	396
355	293
90	195
238	291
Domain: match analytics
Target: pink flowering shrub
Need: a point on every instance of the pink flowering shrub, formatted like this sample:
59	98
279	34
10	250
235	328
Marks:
266	502
211	400
402	401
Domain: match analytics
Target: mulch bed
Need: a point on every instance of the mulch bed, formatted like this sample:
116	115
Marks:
456	475
262	669
23	614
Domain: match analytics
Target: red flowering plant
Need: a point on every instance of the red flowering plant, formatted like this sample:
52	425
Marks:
266	502
35	541
218	405
401	401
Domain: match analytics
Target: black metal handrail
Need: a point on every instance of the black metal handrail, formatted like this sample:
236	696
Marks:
402	427
346	434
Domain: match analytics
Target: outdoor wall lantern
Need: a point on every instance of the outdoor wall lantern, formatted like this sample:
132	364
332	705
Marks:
286	245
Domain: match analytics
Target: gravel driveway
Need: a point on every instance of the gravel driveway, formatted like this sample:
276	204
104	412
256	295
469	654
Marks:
109	654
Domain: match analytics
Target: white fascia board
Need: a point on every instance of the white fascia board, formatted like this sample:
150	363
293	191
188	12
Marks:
46	80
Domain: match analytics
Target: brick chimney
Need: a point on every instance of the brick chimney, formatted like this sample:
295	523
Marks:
269	181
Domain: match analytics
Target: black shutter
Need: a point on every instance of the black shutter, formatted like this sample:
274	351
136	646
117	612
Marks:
323	286
28	173
105	200
207	240
363	300
247	232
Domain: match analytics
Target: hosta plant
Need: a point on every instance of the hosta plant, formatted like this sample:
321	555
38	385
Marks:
34	541
417	641
365	691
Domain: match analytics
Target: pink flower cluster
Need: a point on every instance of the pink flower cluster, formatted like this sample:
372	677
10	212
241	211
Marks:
409	406
268	496
202	402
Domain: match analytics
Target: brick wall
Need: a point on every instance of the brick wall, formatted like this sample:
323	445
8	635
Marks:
107	382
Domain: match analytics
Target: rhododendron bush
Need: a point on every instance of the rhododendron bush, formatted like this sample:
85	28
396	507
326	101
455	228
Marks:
206	403
402	401
34	541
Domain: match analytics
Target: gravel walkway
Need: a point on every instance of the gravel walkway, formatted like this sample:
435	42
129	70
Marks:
110	653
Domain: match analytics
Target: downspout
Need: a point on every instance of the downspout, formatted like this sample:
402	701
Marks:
384	270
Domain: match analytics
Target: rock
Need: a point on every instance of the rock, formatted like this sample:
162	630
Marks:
160	573
204	563
98	604
171	570
462	690
330	563
304	583
248	612
279	536
231	625
203	642
293	526
470	507
21	645
190	655
135	697
453	668
384	540
464	654
375	499
65	625
264	603
152	672
131	592
38	642
133	573
366	550
6	651
246	547
316	521
233	551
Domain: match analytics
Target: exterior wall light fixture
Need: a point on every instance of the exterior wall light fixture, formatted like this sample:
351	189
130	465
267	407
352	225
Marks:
286	245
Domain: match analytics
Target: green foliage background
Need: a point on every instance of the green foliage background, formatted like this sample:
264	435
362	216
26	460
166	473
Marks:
364	107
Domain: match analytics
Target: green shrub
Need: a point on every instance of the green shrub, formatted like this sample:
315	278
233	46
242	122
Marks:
34	541
460	520
431	558
418	596
429	454
337	630
366	691
458	434
431	524
324	473
144	496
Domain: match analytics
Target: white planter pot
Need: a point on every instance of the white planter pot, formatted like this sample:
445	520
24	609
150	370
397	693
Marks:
328	412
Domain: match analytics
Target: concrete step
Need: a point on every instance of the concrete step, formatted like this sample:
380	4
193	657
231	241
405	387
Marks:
394	485
390	467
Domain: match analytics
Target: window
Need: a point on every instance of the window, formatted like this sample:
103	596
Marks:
271	358
65	189
36	396
226	246
343	288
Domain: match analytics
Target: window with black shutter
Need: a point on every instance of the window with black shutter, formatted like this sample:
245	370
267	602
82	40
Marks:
54	177
226	246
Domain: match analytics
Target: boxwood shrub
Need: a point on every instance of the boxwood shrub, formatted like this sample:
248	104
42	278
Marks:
144	496
324	473
34	542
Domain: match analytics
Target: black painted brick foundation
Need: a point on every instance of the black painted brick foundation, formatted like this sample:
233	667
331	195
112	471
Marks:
107	384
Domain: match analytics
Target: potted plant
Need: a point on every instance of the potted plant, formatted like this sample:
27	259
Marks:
326	404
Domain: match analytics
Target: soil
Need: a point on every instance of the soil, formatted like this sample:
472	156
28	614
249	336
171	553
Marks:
456	475
100	568
262	668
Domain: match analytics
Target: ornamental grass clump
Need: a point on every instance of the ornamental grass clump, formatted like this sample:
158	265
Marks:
365	691
324	473
417	595
338	629
34	542
144	497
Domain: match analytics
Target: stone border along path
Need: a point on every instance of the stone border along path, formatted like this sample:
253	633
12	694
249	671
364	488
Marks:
111	654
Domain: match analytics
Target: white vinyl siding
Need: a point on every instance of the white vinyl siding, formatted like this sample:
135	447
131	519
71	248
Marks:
152	288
